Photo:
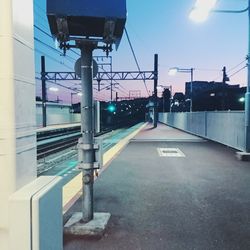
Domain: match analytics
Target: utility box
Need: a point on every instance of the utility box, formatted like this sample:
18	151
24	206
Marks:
36	216
99	19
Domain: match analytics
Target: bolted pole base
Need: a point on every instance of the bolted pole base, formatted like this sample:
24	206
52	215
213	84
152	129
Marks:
94	228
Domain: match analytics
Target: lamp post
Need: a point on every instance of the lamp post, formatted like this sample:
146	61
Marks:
175	70
199	13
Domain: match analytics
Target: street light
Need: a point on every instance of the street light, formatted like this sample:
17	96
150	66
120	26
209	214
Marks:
53	89
242	99
247	95
201	10
175	70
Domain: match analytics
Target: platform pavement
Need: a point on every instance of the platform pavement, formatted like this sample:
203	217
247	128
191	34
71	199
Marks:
200	201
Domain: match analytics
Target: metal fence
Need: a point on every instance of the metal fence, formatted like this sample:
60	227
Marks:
226	127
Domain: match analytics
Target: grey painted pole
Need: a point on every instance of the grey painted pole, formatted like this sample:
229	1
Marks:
247	96
87	116
111	85
44	91
163	102
155	90
191	90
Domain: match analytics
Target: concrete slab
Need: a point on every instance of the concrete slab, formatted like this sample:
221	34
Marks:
95	227
243	156
165	133
200	201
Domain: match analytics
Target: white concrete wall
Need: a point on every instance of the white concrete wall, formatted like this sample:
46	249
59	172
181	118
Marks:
56	114
226	127
17	104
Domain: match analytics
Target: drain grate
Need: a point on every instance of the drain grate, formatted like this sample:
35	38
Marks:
170	152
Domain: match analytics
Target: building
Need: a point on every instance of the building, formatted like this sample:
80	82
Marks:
208	96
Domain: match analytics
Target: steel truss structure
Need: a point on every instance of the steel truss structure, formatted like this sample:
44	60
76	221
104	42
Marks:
101	76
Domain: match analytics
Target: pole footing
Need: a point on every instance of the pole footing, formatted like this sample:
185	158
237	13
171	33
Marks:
93	228
243	156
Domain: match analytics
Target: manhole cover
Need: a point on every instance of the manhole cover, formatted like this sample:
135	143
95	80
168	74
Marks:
170	152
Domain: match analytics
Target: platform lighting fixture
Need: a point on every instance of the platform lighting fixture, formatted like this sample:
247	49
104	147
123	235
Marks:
53	89
160	88
173	71
201	10
79	94
242	99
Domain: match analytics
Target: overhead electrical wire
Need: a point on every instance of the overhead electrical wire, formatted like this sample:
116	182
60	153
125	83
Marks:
135	58
238	71
46	33
236	66
69	58
59	84
49	35
231	69
53	59
116	82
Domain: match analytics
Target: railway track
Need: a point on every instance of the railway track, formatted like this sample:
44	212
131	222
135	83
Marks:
52	142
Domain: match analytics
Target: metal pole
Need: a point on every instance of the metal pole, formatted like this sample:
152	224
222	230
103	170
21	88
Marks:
247	96
111	90
87	116
163	101
99	85
71	99
111	87
155	89
116	96
191	90
44	92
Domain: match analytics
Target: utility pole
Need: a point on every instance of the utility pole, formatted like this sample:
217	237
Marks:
71	99
111	91
191	95
111	83
86	145
99	85
225	77
247	95
155	90
44	91
224	80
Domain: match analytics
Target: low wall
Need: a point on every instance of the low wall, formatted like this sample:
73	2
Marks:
226	127
56	114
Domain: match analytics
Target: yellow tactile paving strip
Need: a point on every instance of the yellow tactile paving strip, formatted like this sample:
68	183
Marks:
72	190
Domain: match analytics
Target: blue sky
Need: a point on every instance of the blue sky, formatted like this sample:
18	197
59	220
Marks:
163	27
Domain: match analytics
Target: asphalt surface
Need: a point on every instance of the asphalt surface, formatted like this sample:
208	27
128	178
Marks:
200	201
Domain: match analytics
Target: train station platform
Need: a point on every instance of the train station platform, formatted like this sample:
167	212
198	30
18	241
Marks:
171	190
58	127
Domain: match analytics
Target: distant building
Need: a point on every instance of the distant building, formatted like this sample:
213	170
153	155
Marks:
200	87
208	96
